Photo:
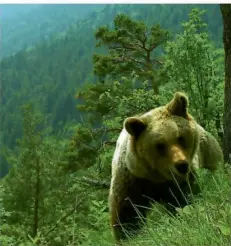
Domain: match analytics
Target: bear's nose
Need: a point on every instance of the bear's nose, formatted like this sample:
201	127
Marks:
182	167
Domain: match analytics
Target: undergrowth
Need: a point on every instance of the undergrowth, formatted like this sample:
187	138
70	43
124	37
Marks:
206	222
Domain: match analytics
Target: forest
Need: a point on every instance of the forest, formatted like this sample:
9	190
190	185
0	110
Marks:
19	22
65	94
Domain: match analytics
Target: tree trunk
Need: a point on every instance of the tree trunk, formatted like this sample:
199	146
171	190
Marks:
226	14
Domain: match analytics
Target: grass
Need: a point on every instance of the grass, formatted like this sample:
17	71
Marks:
207	222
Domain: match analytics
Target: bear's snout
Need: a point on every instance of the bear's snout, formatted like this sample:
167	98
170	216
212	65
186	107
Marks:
182	167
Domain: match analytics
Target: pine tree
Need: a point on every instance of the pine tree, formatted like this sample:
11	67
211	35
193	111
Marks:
131	47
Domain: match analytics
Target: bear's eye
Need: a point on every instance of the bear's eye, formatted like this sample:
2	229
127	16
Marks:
181	141
161	148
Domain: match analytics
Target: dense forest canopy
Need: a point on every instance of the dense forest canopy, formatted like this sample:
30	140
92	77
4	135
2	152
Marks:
63	102
22	26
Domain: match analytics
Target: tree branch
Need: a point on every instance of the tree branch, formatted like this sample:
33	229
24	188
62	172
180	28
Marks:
159	62
128	59
134	47
107	130
152	47
96	183
109	143
65	215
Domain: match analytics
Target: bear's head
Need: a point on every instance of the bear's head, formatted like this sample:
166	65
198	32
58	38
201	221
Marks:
163	141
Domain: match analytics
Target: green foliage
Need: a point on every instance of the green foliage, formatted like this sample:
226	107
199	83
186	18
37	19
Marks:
131	47
85	142
195	66
106	106
36	184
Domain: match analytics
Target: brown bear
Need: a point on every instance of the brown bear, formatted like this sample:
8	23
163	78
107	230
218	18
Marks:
155	159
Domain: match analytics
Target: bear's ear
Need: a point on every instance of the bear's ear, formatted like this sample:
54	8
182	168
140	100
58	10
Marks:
134	126
179	105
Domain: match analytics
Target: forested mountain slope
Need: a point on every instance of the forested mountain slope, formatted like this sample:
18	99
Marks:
50	73
24	25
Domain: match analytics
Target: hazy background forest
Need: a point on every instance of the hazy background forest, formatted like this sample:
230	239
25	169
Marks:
70	75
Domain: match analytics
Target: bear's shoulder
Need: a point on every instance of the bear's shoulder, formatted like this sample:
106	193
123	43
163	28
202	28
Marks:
120	151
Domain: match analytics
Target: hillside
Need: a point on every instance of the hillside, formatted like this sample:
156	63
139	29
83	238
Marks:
24	25
49	74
